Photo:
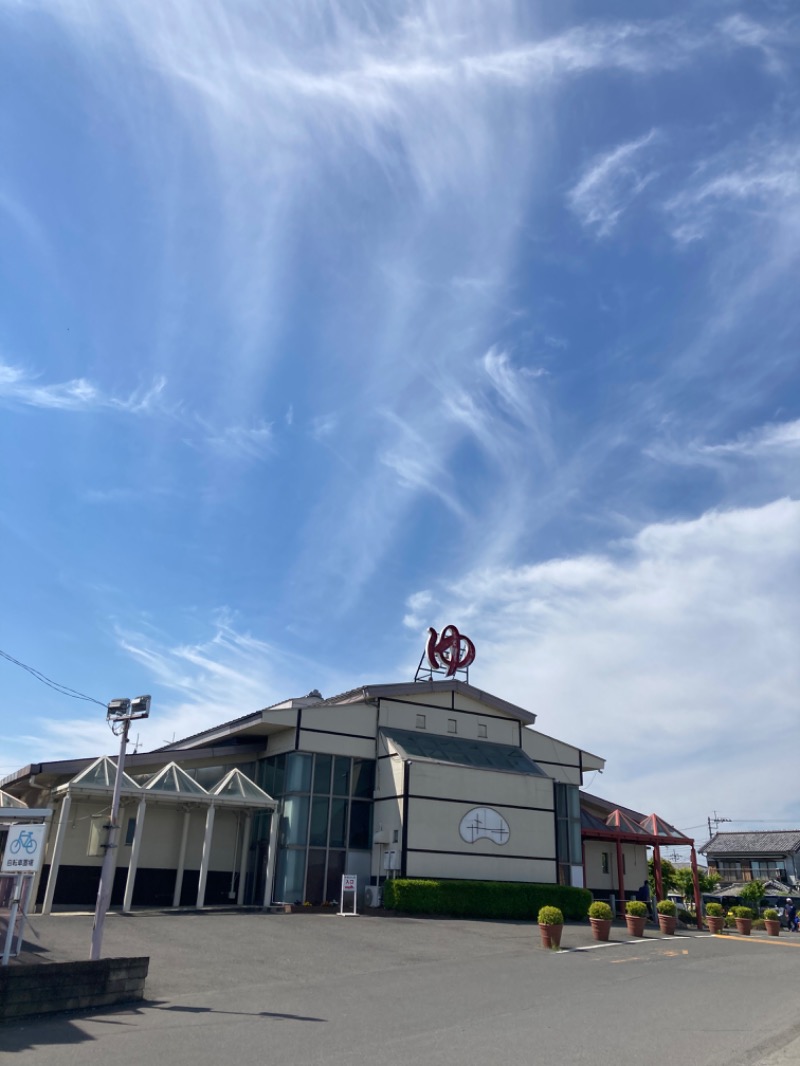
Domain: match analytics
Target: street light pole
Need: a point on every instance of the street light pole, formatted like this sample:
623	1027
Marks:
119	712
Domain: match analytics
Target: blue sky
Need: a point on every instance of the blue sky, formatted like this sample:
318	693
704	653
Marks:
323	323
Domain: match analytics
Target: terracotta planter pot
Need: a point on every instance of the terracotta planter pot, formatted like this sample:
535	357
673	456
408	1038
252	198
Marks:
667	924
635	924
772	926
744	925
551	935
601	927
715	925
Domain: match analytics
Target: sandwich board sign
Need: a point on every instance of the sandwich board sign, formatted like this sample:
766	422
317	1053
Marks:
349	885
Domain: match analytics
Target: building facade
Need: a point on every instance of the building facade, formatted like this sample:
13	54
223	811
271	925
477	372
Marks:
421	779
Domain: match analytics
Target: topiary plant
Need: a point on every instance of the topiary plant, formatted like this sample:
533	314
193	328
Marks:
740	912
636	908
770	914
667	906
600	910
550	916
714	910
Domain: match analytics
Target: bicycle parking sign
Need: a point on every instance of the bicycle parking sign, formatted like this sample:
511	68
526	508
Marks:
24	849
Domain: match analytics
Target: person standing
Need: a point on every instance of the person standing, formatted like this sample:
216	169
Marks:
790	913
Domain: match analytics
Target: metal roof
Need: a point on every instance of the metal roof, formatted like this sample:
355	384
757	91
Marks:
766	842
440	748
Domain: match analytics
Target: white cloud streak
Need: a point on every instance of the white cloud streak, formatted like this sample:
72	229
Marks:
20	387
611	183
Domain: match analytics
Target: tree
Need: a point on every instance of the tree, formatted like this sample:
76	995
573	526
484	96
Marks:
668	873
752	894
685	885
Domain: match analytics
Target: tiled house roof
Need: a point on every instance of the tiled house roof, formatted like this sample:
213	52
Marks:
770	842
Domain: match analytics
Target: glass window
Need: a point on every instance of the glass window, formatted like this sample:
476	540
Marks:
315	877
604	862
338	824
265	775
360	819
130	831
290	875
481	729
298	772
420	721
294	820
318	836
322	774
341	776
452	725
280	775
335	871
363	778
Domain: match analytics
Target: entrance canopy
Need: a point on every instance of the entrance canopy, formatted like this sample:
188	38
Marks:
171	784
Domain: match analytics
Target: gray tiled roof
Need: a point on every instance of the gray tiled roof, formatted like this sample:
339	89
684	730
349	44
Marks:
768	842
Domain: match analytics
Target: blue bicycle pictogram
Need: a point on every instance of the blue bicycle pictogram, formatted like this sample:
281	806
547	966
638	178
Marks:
24	840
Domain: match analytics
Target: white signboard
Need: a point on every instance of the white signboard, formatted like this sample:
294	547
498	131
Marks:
349	884
24	849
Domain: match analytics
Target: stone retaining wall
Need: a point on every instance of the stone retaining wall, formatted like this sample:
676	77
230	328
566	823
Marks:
47	987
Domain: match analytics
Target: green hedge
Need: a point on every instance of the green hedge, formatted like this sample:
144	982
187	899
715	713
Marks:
484	899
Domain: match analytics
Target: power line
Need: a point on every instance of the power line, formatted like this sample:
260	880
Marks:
64	690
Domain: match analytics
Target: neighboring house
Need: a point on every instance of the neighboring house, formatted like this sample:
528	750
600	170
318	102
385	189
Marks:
770	855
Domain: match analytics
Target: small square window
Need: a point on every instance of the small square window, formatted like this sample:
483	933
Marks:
481	729
395	835
420	721
452	725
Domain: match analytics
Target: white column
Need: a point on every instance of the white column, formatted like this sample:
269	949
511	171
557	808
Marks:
55	858
206	859
38	875
134	859
176	897
243	862
271	856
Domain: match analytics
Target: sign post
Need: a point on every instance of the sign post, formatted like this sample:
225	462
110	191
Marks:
349	884
23	859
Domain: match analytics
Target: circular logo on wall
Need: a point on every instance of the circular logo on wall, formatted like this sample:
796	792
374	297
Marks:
484	823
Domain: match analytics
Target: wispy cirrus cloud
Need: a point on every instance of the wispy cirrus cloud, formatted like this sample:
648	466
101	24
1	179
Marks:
612	182
19	386
754	183
230	674
242	442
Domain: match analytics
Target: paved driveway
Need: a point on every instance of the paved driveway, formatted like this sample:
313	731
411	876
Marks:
300	989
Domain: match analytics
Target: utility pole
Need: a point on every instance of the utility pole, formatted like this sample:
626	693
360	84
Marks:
716	819
120	714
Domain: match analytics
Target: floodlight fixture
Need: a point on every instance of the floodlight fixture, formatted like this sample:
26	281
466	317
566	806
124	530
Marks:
140	707
118	709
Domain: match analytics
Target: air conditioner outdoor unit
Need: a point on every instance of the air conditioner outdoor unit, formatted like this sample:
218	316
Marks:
373	896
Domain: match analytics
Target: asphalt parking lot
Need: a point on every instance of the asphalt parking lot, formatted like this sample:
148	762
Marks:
305	989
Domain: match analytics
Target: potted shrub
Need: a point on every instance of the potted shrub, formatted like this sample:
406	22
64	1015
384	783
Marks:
743	917
772	922
600	917
715	917
635	916
551	925
667	916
